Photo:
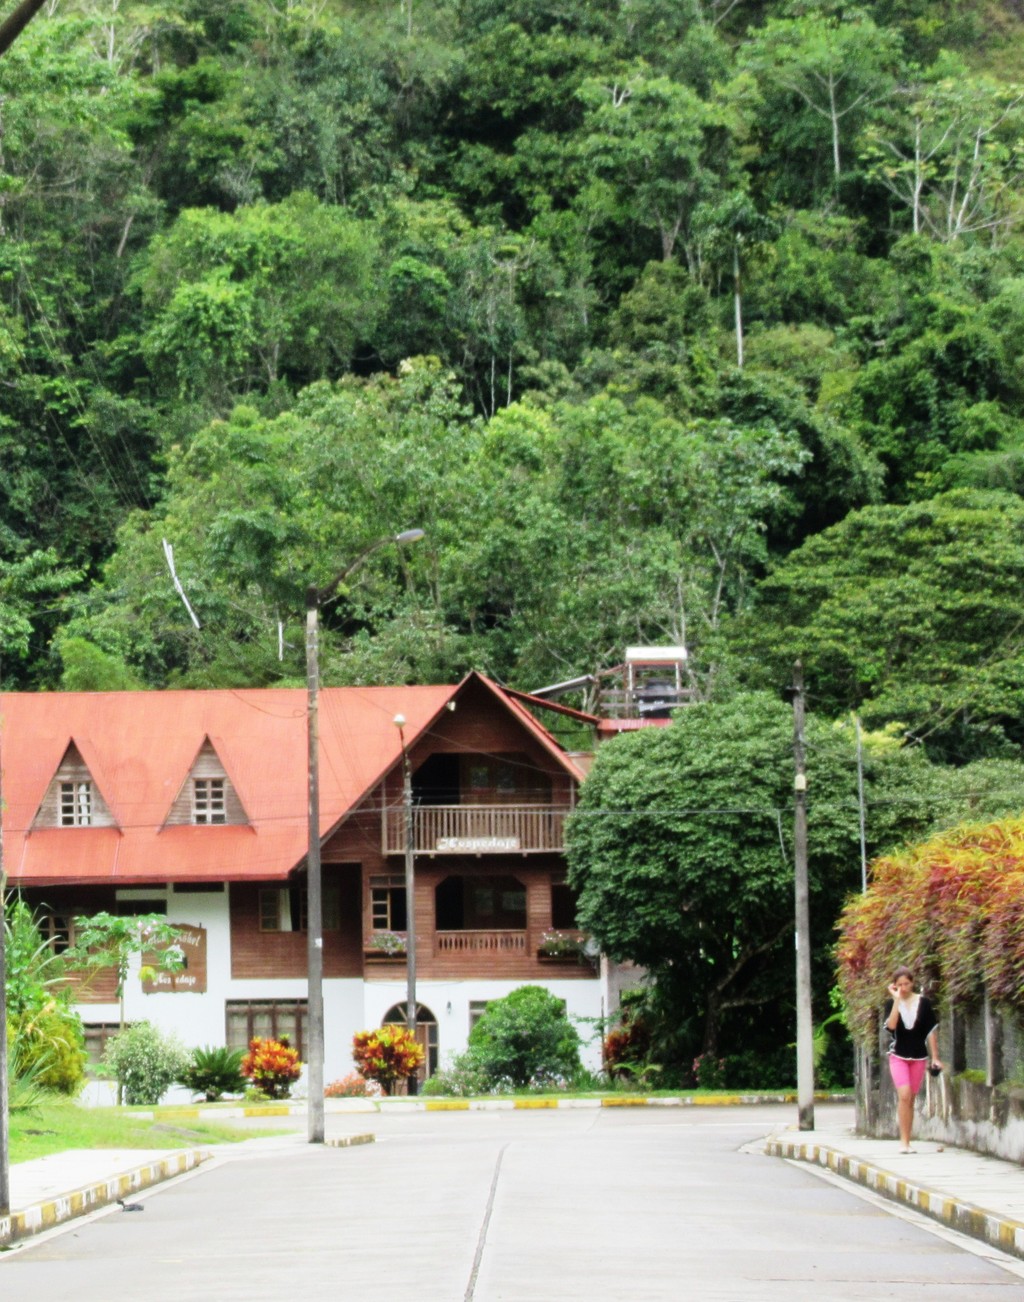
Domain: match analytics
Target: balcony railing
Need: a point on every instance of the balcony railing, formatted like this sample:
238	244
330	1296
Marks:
478	829
480	942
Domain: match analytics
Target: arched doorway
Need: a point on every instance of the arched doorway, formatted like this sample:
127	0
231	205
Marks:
426	1033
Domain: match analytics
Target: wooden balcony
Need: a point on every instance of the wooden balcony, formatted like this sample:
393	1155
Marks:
480	942
478	829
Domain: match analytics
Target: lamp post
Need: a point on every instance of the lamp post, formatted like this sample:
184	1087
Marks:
314	885
410	893
804	1025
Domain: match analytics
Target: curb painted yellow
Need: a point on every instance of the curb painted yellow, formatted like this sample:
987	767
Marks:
536	1103
54	1211
446	1105
1000	1231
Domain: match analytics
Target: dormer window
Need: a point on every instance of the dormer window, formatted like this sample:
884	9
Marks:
76	804
74	798
208	800
207	797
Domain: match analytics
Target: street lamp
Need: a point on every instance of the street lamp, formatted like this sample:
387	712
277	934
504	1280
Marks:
410	892
314	884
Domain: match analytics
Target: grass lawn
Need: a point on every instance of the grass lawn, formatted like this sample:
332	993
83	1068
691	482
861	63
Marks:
59	1124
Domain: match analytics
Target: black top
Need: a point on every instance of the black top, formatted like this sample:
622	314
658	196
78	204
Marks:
909	1041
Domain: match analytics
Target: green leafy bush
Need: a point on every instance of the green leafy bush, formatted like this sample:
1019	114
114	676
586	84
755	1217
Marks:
462	1077
34	971
145	1062
526	1038
214	1072
50	1047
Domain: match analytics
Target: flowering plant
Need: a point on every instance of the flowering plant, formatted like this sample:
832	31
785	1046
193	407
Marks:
272	1066
389	942
561	944
709	1071
352	1086
387	1055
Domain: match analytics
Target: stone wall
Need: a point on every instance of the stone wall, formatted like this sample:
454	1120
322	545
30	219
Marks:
977	1103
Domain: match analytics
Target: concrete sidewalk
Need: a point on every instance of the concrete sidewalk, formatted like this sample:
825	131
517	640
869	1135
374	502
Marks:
977	1195
49	1190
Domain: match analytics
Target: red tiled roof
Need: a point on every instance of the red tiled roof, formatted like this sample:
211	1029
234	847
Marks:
140	747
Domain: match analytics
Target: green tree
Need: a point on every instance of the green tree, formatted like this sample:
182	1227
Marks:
28	586
267	293
680	851
834	65
656	149
949	150
906	613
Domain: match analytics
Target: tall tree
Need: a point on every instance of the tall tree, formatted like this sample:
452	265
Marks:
909	614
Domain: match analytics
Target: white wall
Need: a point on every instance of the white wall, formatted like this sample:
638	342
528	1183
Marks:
350	1004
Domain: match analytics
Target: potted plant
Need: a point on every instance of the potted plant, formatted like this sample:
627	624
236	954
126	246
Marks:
386	944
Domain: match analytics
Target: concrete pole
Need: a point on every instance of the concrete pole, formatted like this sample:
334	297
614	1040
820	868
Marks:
410	900
315	919
5	1132
804	1028
861	811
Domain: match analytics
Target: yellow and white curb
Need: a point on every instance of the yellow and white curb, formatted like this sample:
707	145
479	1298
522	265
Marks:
1000	1231
54	1211
351	1141
402	1103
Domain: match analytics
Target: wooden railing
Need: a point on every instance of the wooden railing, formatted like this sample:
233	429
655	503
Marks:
480	942
477	829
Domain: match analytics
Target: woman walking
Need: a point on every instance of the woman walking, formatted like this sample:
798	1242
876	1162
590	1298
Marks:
911	1019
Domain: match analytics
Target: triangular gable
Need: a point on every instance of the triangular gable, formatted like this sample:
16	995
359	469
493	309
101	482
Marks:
73	797
414	732
531	725
208	796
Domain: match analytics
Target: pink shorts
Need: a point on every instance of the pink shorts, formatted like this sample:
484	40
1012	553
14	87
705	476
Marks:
907	1071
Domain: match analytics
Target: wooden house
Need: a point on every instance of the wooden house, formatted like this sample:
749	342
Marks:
193	804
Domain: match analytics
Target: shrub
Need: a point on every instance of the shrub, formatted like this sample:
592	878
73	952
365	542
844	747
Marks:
709	1071
214	1072
145	1062
34	972
51	1047
462	1077
627	1046
352	1086
526	1038
272	1066
387	1055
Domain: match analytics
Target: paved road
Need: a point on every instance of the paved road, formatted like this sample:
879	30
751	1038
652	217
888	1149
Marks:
607	1206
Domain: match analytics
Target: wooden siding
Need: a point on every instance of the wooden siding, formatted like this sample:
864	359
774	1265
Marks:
277	954
72	769
207	765
94	985
501	954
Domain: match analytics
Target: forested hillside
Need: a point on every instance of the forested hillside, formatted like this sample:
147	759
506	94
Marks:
696	321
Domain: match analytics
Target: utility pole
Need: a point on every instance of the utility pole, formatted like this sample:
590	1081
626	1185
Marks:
5	1131
860	810
804	1030
410	895
314	878
315	597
